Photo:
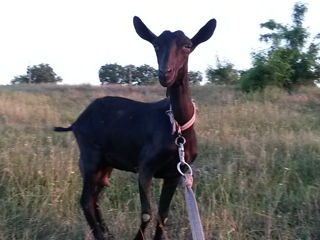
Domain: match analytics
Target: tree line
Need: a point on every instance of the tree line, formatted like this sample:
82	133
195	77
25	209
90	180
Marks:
108	74
130	74
291	59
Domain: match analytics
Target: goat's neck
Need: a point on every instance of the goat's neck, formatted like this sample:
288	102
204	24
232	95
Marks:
180	99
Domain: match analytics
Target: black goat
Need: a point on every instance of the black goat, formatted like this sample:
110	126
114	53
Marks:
119	133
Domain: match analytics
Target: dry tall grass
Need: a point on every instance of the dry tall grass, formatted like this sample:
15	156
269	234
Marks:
256	176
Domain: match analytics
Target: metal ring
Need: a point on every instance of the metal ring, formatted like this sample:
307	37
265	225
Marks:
179	169
183	140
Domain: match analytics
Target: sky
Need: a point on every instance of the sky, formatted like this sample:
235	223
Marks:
77	37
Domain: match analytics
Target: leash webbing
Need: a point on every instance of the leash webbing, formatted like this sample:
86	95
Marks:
193	213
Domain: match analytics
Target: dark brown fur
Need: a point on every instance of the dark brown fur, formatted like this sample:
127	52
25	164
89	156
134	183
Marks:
116	132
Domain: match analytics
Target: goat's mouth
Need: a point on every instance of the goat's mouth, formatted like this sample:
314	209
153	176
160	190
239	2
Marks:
166	80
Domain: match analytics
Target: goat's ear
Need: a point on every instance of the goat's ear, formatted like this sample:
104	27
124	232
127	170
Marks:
204	33
142	30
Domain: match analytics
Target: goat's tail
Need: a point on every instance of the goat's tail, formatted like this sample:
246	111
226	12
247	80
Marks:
62	129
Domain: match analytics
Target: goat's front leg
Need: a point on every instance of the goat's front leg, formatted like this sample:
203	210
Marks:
168	188
145	180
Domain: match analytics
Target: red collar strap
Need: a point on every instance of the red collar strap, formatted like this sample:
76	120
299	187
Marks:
175	125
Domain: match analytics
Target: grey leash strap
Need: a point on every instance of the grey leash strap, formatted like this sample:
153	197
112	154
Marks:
192	208
194	217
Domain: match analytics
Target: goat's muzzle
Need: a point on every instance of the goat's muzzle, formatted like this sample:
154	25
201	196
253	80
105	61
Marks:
166	78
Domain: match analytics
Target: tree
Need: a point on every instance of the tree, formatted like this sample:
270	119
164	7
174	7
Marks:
111	73
21	79
224	73
289	61
130	74
195	77
41	73
145	74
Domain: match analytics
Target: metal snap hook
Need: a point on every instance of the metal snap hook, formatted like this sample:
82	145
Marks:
179	168
180	140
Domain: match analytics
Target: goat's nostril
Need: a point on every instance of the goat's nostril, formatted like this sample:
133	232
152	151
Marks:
169	70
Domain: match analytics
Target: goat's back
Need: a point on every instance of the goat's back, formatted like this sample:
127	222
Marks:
124	129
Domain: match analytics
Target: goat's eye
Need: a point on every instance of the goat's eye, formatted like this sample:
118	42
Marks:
188	47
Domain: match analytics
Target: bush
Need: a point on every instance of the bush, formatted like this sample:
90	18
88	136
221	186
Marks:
272	69
224	73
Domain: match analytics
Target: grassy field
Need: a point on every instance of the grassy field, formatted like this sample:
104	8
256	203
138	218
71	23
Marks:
257	175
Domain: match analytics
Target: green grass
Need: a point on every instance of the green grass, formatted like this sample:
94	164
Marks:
256	176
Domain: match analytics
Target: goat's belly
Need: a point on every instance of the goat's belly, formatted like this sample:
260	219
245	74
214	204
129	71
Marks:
168	171
121	161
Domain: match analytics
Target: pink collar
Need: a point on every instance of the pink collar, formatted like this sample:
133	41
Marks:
175	125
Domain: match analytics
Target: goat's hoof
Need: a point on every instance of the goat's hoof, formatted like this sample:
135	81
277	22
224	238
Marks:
146	217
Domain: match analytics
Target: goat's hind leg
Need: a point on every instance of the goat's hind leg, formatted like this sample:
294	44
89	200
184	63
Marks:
90	207
102	177
92	187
